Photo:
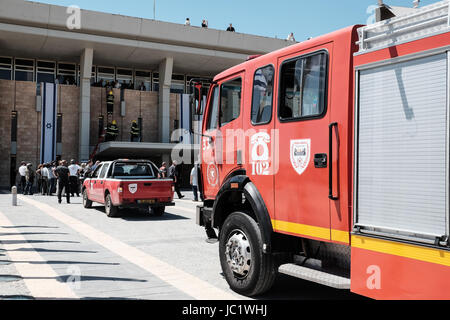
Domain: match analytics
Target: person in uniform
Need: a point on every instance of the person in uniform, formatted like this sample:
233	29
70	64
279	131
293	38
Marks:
109	101
112	131
135	132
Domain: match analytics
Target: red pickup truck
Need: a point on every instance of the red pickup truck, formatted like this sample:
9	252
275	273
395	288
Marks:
128	184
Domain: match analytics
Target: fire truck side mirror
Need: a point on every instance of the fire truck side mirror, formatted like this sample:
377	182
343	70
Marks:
196	99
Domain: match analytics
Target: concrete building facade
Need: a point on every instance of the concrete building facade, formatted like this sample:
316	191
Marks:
154	60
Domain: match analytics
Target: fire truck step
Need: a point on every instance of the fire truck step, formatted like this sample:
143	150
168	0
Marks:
316	276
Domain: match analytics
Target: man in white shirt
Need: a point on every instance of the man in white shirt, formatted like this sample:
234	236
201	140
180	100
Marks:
22	173
51	178
291	37
188	22
194	182
73	178
45	180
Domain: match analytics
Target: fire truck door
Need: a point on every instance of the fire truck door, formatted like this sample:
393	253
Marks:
230	140
209	166
302	185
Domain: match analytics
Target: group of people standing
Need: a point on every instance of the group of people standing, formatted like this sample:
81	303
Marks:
205	24
65	179
56	176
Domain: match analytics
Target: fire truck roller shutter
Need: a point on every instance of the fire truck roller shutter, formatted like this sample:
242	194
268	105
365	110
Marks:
242	184
402	149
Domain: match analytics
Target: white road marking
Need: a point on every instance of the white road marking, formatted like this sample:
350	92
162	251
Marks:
41	280
190	285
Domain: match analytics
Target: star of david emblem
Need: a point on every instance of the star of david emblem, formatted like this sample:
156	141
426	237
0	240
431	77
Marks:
49	125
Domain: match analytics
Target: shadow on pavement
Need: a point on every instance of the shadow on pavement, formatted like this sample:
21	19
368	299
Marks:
136	215
32	233
65	262
21	227
68	278
50	251
16	298
34	241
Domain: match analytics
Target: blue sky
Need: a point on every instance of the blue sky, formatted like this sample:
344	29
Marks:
275	18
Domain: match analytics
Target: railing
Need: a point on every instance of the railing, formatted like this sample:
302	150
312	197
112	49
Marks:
430	20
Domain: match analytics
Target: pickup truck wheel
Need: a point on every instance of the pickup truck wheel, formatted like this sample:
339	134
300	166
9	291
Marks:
247	269
86	202
111	210
159	211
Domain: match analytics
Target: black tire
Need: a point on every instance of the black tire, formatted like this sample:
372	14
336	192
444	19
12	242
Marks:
159	211
262	267
111	210
86	202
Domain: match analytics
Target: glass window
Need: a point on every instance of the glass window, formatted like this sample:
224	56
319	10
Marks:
24	70
230	101
155	81
104	171
97	171
177	88
45	77
45	72
5	68
143	80
105	75
133	170
303	86
5	74
262	104
213	110
125	77
66	73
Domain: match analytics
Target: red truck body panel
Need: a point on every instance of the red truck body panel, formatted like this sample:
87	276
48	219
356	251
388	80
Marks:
384	269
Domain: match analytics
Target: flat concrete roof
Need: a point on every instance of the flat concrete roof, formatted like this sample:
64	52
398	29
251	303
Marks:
30	29
135	150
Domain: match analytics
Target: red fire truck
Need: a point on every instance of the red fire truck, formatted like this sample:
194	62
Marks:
329	161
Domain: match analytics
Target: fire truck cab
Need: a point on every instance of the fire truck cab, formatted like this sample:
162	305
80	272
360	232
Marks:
329	161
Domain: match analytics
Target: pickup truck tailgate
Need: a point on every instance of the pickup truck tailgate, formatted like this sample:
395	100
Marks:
148	189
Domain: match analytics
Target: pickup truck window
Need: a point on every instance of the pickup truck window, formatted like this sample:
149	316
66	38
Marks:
133	171
104	170
97	171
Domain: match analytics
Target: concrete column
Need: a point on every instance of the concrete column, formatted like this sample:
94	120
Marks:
85	102
165	81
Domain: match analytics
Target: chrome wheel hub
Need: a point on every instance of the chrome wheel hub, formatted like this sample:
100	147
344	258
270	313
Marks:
238	253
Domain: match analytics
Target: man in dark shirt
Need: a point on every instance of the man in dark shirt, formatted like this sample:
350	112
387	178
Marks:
175	174
231	28
62	173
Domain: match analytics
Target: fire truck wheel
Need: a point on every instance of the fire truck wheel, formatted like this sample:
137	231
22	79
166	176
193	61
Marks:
247	269
111	210
86	202
159	211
